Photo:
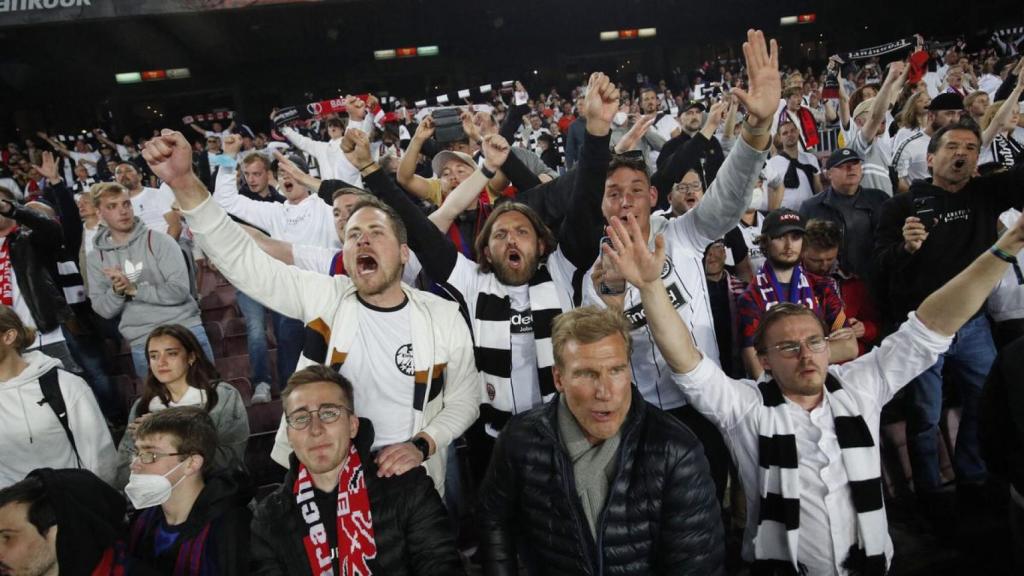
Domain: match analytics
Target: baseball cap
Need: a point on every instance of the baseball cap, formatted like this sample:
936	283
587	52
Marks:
946	101
446	156
842	156
863	107
694	104
781	221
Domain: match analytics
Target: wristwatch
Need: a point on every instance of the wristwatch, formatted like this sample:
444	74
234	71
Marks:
422	445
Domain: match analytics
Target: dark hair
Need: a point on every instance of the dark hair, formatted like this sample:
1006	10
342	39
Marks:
320	373
936	141
32	492
544	233
9	320
822	234
349	190
192	428
336	122
777	313
397	225
627	161
202	374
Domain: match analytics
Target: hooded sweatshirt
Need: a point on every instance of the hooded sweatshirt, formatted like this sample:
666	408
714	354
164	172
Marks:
155	263
31	436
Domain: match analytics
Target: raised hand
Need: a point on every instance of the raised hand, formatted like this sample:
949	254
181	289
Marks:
289	167
425	129
629	140
914	234
356	147
49	167
601	104
761	98
717	113
169	155
629	252
469	126
356	108
496	150
232	145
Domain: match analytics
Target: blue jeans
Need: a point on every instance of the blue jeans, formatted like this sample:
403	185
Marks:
256	337
971	354
88	352
291	335
141	360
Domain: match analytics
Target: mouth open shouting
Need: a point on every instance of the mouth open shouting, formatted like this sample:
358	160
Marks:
366	264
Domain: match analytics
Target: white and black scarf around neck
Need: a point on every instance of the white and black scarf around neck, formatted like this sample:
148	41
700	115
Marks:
776	544
493	336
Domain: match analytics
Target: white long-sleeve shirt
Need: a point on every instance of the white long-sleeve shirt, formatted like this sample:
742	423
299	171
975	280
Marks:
827	516
308	222
331	160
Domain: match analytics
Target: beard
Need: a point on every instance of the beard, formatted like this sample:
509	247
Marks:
509	277
377	285
780	263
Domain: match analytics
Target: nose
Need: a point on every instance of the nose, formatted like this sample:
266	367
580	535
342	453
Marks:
602	390
316	427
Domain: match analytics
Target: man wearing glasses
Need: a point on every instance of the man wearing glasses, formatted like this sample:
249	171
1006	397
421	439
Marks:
782	279
805	440
189	519
334	513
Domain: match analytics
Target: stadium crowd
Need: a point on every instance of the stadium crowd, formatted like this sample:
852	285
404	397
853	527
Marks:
718	323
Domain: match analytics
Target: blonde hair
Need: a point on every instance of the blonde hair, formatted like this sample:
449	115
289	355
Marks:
990	114
101	189
587	325
9	321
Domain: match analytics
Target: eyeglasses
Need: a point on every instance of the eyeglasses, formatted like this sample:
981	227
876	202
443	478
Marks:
791	349
147	457
688	187
301	418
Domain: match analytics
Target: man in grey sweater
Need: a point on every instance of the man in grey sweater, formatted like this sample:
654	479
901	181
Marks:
139	275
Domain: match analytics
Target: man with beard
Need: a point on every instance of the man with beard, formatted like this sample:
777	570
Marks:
806	441
782	279
910	154
664	124
151	205
924	238
523	277
409	351
694	126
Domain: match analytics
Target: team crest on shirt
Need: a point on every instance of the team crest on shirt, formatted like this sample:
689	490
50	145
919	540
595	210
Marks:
404	360
666	269
490	392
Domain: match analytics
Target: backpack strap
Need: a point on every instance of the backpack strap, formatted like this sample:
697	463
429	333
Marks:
50	386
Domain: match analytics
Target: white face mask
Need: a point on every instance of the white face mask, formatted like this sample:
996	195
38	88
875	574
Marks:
148	490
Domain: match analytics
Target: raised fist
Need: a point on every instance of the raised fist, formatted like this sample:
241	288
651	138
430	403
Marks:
496	150
169	155
232	144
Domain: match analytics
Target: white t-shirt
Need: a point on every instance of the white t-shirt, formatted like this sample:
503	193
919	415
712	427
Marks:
750	235
380	367
990	83
525	391
1007	299
793	197
92	157
89	239
151	204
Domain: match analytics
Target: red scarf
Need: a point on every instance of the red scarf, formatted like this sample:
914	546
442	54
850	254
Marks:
6	286
356	542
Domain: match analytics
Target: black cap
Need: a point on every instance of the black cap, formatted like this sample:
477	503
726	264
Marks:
695	104
781	221
842	156
946	101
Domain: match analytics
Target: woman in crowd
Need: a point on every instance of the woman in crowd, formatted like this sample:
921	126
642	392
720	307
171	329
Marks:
180	374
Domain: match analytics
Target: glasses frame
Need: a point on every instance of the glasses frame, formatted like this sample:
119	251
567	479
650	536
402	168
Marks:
137	455
688	188
795	352
342	409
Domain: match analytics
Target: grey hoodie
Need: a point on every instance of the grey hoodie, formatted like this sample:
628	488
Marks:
155	263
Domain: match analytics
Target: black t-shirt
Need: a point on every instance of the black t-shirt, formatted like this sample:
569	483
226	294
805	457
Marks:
327	504
718	292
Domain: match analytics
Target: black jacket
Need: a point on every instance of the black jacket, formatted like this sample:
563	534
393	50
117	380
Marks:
222	507
967	227
410	524
855	254
34	250
1002	416
661	515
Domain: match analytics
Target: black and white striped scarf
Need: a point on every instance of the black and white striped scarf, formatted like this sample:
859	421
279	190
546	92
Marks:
493	336
776	544
1007	151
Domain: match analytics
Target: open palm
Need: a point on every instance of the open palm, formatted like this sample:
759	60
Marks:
761	99
628	251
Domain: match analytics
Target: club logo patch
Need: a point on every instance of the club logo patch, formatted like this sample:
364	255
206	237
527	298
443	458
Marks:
404	360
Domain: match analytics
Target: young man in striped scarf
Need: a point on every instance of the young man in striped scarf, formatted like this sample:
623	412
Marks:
806	441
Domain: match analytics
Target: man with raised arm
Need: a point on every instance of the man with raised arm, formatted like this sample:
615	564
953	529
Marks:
410	351
806	440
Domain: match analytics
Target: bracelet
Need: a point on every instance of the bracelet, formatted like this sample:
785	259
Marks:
486	171
1003	255
367	166
754	131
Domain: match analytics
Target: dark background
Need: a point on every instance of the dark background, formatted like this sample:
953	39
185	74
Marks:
60	77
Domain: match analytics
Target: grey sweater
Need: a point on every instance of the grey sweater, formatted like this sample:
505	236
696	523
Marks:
156	264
